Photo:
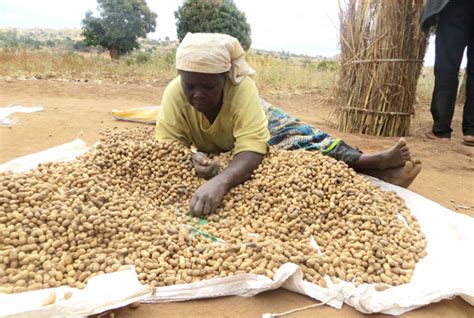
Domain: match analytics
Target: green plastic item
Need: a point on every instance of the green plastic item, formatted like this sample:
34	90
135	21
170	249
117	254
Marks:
195	231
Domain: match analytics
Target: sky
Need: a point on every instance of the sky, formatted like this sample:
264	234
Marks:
298	26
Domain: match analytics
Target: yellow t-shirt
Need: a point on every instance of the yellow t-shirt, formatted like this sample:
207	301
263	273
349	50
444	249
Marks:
241	124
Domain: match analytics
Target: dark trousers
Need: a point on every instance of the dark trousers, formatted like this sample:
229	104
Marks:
455	31
346	153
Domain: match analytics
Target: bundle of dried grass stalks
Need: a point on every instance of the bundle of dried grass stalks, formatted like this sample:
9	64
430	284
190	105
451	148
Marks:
382	50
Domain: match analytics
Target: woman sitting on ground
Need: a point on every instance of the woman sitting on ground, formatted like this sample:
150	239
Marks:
214	106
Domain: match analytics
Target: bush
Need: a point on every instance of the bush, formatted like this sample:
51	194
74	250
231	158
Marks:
11	39
328	65
142	57
81	46
170	58
213	16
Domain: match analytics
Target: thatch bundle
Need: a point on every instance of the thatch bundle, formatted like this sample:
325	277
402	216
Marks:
382	50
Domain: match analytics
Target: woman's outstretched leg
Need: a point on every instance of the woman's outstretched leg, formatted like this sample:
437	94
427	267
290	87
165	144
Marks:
394	165
391	158
402	176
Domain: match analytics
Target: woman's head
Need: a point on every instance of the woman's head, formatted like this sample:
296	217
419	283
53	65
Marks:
213	53
203	91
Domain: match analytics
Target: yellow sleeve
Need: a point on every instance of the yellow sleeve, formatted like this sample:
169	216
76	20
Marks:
250	123
171	124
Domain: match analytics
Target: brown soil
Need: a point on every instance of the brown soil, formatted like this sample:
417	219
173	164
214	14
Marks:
73	109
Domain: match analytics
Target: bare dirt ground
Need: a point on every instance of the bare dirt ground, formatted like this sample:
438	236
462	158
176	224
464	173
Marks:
73	109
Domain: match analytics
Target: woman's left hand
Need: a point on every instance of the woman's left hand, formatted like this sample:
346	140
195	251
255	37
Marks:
204	166
207	197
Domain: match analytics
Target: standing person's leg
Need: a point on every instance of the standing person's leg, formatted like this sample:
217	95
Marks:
452	35
468	113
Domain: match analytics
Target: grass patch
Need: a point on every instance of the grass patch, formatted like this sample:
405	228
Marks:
73	65
291	75
274	74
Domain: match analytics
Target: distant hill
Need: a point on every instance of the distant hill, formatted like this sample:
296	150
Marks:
71	39
67	39
60	39
37	38
45	34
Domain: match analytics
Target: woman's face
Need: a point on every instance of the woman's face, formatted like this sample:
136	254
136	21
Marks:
203	91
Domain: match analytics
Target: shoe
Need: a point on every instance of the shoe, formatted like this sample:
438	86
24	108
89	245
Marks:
432	136
468	140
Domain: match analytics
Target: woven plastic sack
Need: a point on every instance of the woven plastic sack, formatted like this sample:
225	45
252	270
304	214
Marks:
145	115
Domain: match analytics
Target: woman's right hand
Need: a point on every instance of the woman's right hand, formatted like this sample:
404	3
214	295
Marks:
207	197
204	166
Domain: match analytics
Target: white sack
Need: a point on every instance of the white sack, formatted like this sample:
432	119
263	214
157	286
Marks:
11	109
65	152
102	293
445	272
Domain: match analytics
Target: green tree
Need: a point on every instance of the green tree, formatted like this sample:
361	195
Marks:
213	16
120	24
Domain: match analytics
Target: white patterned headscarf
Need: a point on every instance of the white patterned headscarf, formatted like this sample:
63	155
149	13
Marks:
213	53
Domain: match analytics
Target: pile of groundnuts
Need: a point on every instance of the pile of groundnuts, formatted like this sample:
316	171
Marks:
126	202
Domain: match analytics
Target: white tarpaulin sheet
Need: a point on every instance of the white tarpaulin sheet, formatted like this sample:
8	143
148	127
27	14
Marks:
60	153
444	273
5	112
102	293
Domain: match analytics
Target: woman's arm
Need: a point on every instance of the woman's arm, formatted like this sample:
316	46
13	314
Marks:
208	196
251	135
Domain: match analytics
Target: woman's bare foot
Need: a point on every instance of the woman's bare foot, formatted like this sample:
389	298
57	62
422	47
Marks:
401	176
396	156
392	158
